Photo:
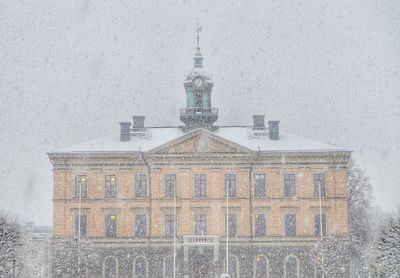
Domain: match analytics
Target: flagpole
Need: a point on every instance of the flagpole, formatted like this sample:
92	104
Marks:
227	228
175	227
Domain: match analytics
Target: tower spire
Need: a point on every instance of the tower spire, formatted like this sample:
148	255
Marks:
198	84
198	59
198	30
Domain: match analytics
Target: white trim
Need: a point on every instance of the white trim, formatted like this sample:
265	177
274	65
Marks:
295	184
254	265
194	185
164	184
253	191
104	265
259	211
325	173
134	265
237	264
137	212
146	196
165	264
105	174
236	185
73	195
297	264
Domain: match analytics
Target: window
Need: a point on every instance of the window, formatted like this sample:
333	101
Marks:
80	226
140	185
140	225
169	267
110	267
169	220
261	267
233	267
200	185
319	183
81	186
230	185
232	225
200	226
110	186
261	225
140	267
320	222
111	225
259	185
170	185
290	185
291	267
290	224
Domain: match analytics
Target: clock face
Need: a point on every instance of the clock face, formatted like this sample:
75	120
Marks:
198	84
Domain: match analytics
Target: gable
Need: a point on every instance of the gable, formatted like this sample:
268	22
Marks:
200	141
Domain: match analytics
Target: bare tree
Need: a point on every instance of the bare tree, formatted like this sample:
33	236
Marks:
10	242
360	198
74	258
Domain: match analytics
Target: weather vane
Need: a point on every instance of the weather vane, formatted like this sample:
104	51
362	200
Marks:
198	30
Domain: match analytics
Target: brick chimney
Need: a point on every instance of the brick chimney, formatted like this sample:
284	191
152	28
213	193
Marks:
273	127
138	122
258	121
125	131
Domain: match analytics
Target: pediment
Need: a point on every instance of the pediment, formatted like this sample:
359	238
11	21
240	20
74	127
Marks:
200	141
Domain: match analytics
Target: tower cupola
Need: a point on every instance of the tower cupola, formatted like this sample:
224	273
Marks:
198	84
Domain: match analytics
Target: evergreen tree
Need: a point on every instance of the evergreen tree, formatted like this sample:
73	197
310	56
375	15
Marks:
388	248
329	255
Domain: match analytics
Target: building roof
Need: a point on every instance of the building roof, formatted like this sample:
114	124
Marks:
241	135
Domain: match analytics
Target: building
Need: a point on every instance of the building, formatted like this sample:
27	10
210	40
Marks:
37	258
250	194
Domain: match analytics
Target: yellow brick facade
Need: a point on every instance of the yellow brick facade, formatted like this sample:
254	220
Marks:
245	205
183	158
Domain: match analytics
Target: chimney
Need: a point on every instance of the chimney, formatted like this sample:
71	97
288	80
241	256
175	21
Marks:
258	121
273	130
125	131
138	122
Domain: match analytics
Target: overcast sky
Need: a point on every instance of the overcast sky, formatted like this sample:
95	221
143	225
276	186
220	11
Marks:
71	70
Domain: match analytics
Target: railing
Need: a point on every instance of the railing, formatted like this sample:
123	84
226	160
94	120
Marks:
199	111
200	240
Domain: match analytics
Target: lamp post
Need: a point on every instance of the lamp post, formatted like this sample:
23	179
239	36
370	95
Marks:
79	221
320	228
175	226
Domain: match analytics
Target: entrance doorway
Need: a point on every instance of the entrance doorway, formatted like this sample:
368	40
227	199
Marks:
200	267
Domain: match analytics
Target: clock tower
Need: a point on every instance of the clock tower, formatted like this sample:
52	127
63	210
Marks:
198	84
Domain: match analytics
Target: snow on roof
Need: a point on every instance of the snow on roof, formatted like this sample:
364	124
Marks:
161	135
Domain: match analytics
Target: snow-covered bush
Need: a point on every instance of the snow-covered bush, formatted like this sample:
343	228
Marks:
74	258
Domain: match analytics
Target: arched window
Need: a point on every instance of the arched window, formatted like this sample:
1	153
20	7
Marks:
233	266
261	267
291	267
140	267
110	267
169	267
